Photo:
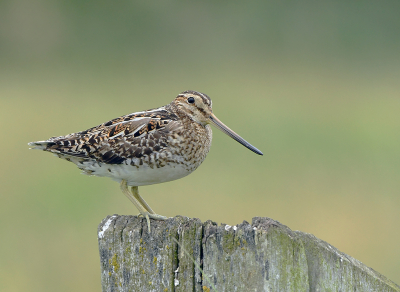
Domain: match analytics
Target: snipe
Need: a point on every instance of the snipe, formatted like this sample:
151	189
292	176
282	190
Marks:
147	147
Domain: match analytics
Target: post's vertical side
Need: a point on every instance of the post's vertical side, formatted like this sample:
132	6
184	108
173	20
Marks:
285	256
105	238
188	276
132	259
258	257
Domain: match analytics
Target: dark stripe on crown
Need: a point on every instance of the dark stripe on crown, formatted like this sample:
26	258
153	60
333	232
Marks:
206	99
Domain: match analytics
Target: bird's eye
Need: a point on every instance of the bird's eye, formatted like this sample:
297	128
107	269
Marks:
190	99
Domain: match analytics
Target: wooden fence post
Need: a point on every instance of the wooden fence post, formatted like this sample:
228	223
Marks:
262	256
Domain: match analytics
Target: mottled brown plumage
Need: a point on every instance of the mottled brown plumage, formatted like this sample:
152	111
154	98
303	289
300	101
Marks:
146	147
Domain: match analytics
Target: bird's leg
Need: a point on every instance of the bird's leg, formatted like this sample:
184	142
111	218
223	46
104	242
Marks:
135	193
152	214
139	203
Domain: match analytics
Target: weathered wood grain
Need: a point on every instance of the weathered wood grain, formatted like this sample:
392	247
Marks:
262	256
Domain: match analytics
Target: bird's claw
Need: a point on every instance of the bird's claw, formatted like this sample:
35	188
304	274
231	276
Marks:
148	215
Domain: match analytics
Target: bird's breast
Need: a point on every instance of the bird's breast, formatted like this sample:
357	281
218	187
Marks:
191	145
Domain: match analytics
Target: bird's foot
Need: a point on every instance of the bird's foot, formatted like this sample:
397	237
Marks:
153	216
148	215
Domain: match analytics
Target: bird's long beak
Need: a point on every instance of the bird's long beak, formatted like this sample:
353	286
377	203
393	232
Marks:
216	122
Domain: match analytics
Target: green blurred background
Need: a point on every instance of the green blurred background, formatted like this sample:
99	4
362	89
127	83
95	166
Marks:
315	86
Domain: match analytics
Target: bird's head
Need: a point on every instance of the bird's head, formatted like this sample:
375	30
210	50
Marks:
198	107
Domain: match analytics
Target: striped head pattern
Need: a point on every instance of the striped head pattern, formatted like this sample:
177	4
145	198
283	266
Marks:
198	107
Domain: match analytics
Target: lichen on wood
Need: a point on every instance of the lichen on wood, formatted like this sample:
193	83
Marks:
182	254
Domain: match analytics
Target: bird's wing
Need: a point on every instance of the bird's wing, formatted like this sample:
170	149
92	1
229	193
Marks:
131	136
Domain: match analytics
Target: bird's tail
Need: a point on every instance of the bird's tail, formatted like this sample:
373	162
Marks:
41	145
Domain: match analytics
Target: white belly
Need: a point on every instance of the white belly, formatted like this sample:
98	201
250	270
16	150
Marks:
144	175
